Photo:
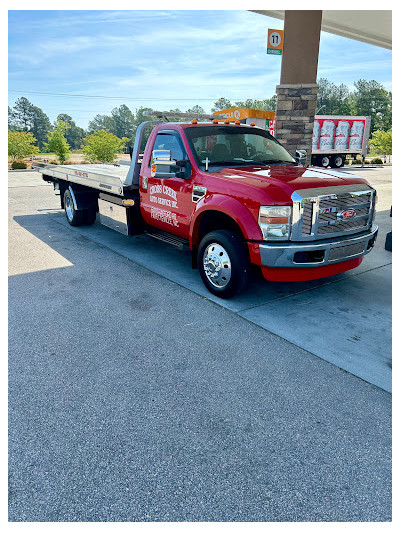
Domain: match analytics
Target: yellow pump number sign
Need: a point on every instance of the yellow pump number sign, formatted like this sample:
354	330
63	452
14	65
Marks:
275	42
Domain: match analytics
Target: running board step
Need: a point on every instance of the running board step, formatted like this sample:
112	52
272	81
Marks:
173	240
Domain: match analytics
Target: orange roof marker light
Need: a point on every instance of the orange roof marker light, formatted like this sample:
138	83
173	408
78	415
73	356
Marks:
237	122
194	121
226	121
215	121
252	124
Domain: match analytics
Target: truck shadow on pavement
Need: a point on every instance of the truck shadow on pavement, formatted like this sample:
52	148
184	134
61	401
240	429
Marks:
344	319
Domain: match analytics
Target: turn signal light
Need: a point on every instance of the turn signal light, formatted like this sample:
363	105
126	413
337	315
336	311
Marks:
128	202
274	220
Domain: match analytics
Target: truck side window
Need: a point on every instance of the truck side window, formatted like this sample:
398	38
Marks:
167	141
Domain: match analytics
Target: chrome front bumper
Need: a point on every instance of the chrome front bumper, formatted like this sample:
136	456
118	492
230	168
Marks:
319	253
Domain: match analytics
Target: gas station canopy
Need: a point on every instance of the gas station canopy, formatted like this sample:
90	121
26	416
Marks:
371	26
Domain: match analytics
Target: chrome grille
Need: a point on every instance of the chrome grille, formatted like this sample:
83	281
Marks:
346	251
307	218
341	226
345	201
319	213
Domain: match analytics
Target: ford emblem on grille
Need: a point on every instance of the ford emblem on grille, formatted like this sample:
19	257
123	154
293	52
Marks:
349	213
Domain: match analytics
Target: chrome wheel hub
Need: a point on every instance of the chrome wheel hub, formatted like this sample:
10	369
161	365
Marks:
68	208
217	265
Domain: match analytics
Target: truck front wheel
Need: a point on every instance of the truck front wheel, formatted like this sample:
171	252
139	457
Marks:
74	217
223	263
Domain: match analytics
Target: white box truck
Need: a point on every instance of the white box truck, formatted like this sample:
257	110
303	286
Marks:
336	136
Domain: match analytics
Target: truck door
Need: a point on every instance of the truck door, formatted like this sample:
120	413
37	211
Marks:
166	203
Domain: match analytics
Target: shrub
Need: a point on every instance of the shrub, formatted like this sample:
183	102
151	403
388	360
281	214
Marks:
346	162
53	162
18	164
57	142
20	144
103	146
377	161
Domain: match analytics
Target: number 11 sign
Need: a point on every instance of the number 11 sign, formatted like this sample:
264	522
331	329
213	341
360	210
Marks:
275	42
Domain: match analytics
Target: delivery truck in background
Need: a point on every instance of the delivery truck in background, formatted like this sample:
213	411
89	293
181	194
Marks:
334	136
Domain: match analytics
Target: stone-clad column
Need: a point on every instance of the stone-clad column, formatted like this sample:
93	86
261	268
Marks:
297	93
295	111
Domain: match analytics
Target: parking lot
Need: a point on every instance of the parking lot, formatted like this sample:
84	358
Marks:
135	395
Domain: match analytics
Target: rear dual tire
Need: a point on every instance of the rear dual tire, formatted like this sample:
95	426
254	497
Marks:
334	161
78	217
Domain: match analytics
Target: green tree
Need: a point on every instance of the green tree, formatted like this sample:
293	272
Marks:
21	144
372	99
269	104
11	120
103	146
124	122
74	134
196	110
333	99
221	103
381	142
23	114
40	125
57	142
101	122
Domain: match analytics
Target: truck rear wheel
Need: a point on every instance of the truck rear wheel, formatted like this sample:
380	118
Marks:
89	216
337	161
323	161
74	217
223	263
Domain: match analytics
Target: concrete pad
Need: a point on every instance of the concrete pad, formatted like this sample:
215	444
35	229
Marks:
347	323
352	310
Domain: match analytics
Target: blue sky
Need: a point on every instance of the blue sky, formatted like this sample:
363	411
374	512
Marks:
160	59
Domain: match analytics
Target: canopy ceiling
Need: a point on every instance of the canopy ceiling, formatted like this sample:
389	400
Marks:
369	26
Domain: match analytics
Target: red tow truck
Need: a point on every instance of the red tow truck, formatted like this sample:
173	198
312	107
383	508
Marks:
233	195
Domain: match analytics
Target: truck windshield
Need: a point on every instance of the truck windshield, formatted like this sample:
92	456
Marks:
235	145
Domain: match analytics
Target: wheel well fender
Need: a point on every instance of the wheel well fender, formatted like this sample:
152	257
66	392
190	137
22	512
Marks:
222	212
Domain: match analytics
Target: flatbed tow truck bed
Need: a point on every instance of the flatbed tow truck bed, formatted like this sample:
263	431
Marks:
105	177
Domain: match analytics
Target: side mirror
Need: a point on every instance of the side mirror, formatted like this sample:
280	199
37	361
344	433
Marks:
162	166
161	163
301	157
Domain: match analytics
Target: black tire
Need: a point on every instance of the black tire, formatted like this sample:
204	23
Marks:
388	242
74	217
323	161
218	249
338	160
89	216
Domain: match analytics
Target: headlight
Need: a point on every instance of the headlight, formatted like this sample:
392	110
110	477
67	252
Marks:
274	222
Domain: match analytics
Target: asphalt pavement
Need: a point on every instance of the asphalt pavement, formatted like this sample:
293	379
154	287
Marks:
135	398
